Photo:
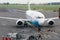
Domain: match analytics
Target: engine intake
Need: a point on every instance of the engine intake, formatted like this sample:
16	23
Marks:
51	23
20	22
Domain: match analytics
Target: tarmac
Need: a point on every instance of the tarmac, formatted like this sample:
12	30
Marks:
7	26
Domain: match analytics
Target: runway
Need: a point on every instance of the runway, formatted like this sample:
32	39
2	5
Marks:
7	25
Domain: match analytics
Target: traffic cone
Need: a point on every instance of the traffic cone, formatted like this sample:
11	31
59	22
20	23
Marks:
8	38
3	38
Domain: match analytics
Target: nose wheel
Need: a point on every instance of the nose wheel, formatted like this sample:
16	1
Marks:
32	38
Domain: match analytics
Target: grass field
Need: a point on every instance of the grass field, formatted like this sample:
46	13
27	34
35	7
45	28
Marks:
34	7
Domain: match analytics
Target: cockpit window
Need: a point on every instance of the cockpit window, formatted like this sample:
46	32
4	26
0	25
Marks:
39	17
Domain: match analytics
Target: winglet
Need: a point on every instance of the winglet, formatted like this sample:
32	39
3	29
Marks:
59	12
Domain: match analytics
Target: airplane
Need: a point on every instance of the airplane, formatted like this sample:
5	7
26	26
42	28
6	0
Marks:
34	18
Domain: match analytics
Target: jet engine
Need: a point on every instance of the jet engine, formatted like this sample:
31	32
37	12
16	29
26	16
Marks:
20	22
49	22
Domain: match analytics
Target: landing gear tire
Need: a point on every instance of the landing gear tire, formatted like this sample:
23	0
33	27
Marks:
32	38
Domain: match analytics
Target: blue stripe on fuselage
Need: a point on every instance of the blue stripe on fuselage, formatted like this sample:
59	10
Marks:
35	23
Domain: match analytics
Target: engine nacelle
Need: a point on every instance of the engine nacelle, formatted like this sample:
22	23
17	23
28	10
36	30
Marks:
20	22
49	22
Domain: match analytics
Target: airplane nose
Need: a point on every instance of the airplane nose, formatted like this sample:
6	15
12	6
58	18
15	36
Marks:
35	23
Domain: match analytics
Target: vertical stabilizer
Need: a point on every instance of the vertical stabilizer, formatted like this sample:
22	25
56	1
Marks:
59	12
29	6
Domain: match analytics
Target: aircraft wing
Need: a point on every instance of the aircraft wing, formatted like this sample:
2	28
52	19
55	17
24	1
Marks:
9	18
25	19
15	18
52	18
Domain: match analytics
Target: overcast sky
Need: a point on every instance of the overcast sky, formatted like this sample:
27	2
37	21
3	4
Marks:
32	1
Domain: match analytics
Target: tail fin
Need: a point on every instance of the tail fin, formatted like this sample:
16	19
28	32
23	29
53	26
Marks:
29	6
59	12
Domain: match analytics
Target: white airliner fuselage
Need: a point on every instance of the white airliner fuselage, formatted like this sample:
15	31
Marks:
30	14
